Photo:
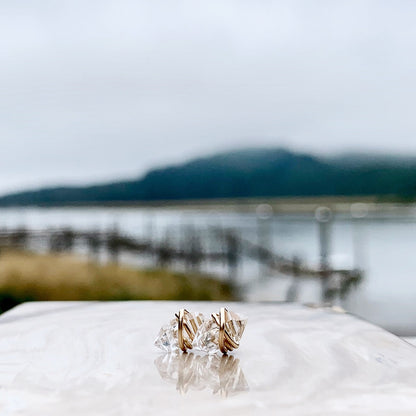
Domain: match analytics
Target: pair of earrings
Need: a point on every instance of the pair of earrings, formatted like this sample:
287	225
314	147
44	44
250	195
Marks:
221	332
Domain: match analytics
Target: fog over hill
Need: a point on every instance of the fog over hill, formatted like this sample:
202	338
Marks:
272	172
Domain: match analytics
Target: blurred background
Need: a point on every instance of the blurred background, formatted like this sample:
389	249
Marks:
247	150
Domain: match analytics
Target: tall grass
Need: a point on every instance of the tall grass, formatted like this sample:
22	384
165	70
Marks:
27	276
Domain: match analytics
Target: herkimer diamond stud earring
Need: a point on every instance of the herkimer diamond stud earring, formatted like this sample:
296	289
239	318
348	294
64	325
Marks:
179	334
222	332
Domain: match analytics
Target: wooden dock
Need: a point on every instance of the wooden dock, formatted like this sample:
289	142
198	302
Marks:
91	358
219	247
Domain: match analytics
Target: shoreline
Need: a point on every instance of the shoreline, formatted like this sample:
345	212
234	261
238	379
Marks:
286	205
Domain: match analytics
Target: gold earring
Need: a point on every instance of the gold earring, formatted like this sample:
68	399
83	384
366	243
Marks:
179	334
222	332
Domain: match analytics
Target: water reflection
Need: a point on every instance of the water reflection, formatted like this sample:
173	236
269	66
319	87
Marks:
222	375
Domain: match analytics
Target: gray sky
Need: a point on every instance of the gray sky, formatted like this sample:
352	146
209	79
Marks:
92	90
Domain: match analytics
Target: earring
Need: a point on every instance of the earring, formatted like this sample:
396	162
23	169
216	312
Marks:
221	374
179	334
222	332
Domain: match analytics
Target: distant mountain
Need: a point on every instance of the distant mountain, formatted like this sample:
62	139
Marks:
245	173
369	159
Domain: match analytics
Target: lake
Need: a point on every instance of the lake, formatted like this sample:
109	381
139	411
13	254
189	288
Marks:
383	245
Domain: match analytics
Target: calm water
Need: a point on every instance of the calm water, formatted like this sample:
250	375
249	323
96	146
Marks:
384	247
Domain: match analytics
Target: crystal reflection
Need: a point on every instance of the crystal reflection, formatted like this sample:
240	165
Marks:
221	374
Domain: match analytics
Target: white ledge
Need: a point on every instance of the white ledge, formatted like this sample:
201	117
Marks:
75	358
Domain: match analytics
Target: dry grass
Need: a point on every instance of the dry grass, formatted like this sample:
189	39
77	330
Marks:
29	276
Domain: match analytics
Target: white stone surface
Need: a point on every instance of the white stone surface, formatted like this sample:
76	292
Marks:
411	340
99	359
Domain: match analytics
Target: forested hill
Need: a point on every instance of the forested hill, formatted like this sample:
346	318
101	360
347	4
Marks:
244	173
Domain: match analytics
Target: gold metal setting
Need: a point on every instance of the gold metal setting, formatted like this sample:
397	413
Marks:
226	342
186	322
187	330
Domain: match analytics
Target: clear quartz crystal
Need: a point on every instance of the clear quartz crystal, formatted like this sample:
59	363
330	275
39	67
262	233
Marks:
167	340
206	338
235	326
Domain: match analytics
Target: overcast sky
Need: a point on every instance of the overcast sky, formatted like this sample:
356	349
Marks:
92	90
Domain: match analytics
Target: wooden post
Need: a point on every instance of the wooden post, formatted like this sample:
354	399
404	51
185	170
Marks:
93	243
264	213
324	217
113	244
232	254
359	211
292	292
